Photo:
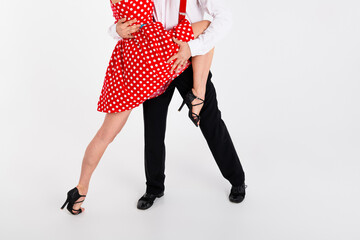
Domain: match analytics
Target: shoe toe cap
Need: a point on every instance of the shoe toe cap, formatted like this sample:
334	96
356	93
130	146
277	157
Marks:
236	198
142	204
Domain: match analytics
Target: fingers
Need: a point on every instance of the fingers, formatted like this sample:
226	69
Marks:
134	28
180	61
172	58
180	66
175	65
178	42
124	24
126	28
131	22
122	20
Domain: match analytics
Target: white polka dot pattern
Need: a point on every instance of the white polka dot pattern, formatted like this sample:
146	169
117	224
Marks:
138	69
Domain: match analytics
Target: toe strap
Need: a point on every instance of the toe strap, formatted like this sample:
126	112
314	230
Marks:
78	211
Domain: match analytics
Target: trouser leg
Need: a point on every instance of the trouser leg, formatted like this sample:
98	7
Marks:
215	130
155	114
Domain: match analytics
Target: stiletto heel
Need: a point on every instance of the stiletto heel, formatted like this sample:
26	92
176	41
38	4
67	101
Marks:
189	97
66	202
72	198
182	105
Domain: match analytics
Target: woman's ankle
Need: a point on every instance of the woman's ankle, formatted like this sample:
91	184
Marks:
199	92
82	189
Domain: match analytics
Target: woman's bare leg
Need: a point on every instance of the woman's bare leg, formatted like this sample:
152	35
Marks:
112	125
201	66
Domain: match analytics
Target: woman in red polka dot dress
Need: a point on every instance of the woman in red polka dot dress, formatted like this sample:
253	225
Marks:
138	70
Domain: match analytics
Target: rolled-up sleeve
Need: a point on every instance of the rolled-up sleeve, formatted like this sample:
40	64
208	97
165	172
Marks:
219	27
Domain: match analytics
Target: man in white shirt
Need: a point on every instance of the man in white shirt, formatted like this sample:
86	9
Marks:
155	110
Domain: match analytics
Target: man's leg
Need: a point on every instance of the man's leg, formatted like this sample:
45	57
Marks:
155	114
214	130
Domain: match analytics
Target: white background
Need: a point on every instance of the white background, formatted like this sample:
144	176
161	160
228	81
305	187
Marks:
288	81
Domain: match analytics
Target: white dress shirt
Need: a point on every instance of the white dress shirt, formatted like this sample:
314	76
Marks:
167	12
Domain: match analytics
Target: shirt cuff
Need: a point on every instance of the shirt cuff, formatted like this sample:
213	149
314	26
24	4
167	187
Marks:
112	32
196	48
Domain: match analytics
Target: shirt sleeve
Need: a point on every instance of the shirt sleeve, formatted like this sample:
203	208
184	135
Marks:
112	32
219	27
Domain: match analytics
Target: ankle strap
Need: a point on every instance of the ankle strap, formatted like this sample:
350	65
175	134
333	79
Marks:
199	98
202	101
197	104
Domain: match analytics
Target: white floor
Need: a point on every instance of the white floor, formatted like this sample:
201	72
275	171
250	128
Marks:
290	194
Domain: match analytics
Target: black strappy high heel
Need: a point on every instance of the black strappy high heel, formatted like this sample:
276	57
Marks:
72	196
189	97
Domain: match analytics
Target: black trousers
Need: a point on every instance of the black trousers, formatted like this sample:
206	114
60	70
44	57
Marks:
211	125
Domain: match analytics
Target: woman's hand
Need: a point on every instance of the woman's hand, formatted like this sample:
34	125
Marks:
181	56
124	28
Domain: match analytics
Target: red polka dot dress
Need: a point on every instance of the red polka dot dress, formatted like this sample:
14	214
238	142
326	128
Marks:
137	69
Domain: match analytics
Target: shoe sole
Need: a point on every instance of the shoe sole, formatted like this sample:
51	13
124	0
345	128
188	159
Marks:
159	196
236	201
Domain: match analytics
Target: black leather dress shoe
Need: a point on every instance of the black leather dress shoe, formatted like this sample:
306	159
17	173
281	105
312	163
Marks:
147	200
237	194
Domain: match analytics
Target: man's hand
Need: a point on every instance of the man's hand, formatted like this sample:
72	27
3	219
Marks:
124	29
181	57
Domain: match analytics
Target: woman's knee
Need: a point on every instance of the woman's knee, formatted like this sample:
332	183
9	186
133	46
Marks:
106	136
111	127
